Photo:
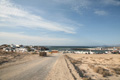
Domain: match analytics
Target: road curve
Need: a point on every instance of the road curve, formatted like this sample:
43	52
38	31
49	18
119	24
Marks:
36	69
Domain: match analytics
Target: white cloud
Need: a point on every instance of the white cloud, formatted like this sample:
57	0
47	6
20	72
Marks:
18	38
82	5
76	5
111	2
12	15
100	12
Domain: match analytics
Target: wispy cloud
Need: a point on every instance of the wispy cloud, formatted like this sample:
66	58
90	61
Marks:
76	5
12	15
111	2
81	6
80	3
18	38
100	12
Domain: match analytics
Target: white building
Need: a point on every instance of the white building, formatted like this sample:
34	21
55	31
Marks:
21	50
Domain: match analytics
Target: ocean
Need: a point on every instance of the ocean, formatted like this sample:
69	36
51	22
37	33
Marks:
60	48
70	48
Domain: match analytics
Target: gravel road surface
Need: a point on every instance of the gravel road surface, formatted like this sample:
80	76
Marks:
36	69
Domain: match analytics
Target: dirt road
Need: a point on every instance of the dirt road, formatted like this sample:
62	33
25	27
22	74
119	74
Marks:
36	69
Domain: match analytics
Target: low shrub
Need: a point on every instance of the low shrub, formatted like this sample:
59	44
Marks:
117	70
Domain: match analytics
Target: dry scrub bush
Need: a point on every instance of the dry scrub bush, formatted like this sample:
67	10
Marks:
117	70
100	70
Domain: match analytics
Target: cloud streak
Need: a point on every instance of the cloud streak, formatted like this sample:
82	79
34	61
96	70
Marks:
100	12
12	15
76	5
111	2
18	38
83	5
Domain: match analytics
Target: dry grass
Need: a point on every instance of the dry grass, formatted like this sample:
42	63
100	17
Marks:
97	67
117	70
102	71
10	56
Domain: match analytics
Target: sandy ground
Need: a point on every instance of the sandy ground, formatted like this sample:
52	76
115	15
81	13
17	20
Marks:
61	67
63	70
97	66
86	67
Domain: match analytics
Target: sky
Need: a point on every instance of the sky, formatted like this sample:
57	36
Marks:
60	22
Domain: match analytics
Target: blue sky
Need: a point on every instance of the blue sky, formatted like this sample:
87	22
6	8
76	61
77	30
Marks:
60	23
